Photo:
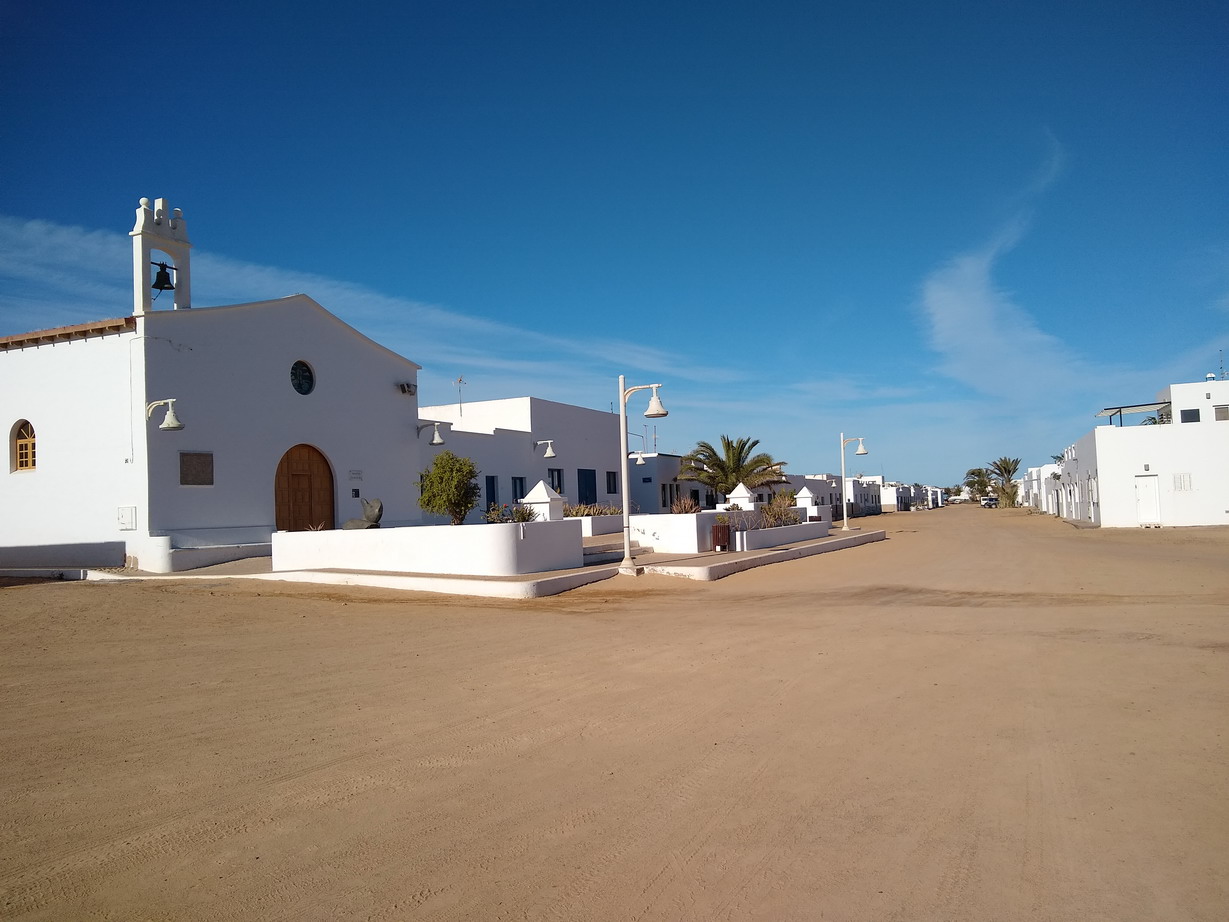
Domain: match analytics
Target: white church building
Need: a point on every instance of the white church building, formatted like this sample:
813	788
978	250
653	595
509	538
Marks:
178	437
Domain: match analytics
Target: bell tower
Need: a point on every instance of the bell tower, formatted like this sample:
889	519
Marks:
167	234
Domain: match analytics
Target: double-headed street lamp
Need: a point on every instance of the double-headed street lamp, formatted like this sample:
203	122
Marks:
655	411
844	485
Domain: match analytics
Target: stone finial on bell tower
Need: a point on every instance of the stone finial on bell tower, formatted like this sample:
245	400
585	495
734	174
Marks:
156	230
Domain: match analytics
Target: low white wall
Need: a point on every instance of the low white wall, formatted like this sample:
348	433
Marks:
760	538
220	537
591	525
463	550
193	558
814	513
674	534
85	554
182	551
692	534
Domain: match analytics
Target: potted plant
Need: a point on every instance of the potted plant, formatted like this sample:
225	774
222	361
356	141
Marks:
721	533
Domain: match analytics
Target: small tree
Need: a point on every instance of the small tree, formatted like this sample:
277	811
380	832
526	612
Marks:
450	487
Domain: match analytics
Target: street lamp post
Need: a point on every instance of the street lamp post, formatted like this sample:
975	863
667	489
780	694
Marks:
844	484
655	411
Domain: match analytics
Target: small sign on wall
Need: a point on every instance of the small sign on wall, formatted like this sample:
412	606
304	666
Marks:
356	475
127	516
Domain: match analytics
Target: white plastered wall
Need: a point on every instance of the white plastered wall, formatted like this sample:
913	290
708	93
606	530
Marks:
78	395
1190	462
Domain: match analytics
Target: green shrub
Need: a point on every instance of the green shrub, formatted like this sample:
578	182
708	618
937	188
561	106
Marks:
497	514
582	509
684	505
779	511
450	487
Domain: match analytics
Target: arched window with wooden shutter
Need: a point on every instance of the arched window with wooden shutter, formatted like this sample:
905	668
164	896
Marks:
24	455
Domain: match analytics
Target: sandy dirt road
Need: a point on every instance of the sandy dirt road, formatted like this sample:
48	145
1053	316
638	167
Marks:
989	716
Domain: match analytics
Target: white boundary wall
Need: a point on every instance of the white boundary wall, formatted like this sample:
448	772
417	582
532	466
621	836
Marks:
674	534
600	525
692	534
761	538
463	550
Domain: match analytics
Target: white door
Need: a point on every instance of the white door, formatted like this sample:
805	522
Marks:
1147	500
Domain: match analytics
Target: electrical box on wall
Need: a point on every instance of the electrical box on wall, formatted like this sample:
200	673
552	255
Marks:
127	517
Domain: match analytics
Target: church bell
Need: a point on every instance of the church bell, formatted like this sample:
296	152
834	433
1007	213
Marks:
162	281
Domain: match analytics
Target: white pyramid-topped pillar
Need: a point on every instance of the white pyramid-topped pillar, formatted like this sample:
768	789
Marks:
158	234
805	499
742	497
546	501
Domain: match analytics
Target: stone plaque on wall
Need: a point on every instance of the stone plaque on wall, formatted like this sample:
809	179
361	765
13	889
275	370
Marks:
196	468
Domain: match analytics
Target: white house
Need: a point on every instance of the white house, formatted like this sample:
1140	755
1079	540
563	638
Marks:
173	438
895	497
1175	472
928	496
519	441
864	495
1039	487
655	486
826	488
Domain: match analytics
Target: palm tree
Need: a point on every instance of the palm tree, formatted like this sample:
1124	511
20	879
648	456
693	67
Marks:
979	481
721	471
1004	471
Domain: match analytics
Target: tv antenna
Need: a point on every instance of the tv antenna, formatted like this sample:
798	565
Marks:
460	383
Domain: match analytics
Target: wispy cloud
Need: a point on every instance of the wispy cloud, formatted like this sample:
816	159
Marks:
53	275
1027	386
983	337
1051	168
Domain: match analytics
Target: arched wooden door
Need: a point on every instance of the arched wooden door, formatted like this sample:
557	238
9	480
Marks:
303	490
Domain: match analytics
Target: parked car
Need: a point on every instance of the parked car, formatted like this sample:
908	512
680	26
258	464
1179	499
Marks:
990	502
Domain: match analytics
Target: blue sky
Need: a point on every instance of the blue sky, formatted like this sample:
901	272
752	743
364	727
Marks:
956	229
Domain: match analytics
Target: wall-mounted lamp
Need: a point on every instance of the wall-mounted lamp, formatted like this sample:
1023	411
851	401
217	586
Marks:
550	447
162	281
409	388
640	457
171	421
436	438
